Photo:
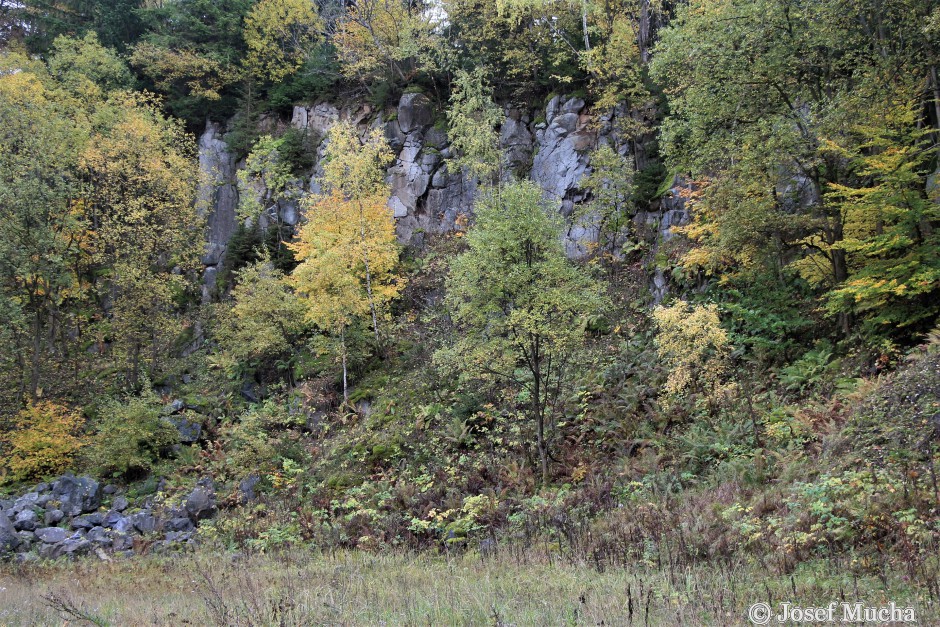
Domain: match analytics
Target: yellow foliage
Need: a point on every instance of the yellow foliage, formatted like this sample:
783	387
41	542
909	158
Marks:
695	348
45	440
377	35
279	34
346	250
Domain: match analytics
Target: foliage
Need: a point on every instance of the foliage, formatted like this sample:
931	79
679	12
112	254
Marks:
893	256
695	349
45	440
518	302
472	120
264	320
610	210
131	436
264	181
379	38
347	250
785	93
279	34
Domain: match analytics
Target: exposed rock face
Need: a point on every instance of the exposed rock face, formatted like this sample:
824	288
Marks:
217	200
564	144
426	196
218	193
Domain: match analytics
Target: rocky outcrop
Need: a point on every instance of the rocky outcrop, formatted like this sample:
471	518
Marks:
552	146
217	199
71	517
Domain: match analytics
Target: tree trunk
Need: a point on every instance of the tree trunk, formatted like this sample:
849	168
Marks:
584	25
537	408
365	261
342	335
37	355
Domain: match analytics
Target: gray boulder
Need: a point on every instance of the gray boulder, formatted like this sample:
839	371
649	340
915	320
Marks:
9	540
120	504
27	501
52	535
53	517
414	112
189	430
77	495
174	407
27	520
87	521
121	541
179	524
27	538
246	488
200	503
73	546
144	522
121	524
99	536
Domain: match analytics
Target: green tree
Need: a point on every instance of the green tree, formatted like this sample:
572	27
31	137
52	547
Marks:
756	91
519	304
611	207
40	229
263	322
472	119
891	241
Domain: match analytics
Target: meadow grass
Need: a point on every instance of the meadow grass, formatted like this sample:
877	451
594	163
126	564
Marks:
511	587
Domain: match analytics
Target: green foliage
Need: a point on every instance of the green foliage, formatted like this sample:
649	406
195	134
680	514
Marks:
809	370
131	436
472	119
611	209
521	307
263	324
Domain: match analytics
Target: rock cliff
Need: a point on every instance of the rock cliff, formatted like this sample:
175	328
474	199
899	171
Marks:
550	145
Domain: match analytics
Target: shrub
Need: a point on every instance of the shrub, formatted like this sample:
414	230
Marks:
131	437
45	440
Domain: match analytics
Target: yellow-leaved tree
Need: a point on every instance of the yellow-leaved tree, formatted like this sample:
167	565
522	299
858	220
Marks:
695	349
347	249
139	198
279	34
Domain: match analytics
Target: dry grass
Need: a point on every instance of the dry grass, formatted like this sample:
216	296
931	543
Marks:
358	588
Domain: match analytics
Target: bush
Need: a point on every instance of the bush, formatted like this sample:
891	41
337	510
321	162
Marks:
45	440
130	438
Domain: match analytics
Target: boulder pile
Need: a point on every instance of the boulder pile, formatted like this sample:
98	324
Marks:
76	516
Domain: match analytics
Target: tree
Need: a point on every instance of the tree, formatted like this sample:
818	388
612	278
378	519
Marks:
892	244
356	171
45	440
378	39
472	119
264	321
40	229
347	250
279	35
756	91
519	304
694	347
140	202
348	253
611	206
192	52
